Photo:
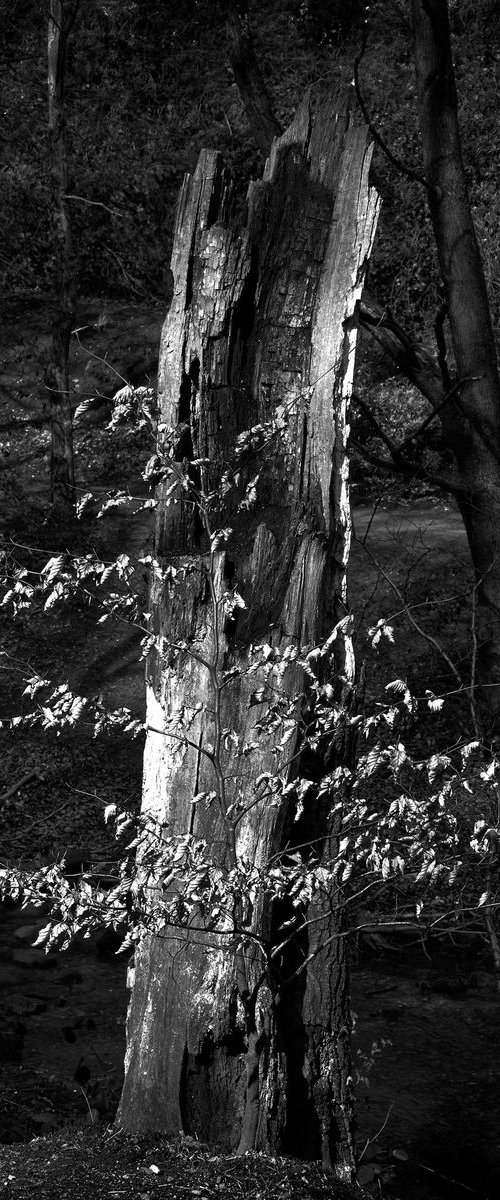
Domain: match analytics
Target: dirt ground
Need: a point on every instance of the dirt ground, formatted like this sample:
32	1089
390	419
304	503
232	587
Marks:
428	1016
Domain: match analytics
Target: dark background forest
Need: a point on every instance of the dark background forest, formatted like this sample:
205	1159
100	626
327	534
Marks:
146	88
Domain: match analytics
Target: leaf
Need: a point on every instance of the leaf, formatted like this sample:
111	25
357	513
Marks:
124	394
374	759
250	496
45	934
380	630
398	756
266	777
34	684
454	872
52	568
114	502
437	762
490	771
396	685
83	407
208	797
468	750
83	502
56	594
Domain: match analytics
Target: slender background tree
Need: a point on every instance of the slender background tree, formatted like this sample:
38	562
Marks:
62	15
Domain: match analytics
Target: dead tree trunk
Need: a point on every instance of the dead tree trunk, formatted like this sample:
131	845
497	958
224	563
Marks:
229	1038
62	473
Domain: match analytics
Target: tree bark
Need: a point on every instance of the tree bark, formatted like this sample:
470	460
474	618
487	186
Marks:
62	473
472	423
227	1040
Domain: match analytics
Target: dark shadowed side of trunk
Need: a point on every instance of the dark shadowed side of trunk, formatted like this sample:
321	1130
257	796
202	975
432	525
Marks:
225	1041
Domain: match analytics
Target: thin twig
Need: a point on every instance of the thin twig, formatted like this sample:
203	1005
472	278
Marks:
374	1137
115	212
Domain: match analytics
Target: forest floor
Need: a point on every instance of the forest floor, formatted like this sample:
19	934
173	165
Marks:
101	1163
427	1015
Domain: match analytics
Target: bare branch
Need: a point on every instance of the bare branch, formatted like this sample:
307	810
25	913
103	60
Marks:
415	362
400	166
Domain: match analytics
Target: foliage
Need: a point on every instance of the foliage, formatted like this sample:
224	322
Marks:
416	840
417	848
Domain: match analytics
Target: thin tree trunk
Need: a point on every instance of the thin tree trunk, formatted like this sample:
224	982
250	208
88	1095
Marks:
248	76
472	423
224	1041
62	474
